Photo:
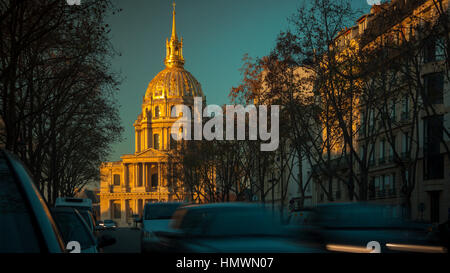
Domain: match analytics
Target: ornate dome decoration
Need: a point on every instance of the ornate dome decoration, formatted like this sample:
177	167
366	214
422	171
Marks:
174	80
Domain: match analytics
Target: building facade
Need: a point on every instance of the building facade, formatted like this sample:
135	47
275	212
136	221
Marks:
405	140
143	176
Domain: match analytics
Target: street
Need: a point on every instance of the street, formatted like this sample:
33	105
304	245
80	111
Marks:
127	240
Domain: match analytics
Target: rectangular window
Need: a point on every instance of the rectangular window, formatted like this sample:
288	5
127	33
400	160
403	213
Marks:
388	184
371	120
156	142
117	180
434	88
392	110
405	144
140	207
116	210
363	124
377	185
434	133
382	149
371	151
433	159
140	175
434	50
405	111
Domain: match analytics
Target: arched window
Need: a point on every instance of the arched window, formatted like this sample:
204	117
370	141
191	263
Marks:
156	142
157	112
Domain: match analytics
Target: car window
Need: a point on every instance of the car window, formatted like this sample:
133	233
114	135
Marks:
227	222
17	233
73	229
160	211
86	217
243	222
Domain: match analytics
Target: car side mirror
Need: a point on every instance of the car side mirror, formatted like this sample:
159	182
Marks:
106	240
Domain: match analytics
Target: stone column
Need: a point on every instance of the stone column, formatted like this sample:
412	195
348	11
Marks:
159	176
135	174
123	184
136	140
146	174
123	213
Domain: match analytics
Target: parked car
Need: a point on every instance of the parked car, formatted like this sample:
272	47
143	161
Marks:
229	227
27	225
89	218
83	205
109	224
74	228
100	225
156	218
350	227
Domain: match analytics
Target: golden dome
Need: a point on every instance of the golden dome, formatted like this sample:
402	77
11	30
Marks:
173	82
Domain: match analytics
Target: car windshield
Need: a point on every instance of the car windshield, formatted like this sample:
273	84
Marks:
73	229
160	211
231	222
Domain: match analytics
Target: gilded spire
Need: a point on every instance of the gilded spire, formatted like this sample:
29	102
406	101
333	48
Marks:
174	28
174	48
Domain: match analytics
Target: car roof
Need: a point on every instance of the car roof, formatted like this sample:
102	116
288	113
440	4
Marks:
164	203
64	209
224	205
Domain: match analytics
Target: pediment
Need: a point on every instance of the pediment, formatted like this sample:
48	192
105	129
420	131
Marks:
150	152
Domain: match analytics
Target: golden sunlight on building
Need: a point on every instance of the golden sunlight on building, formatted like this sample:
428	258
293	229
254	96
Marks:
143	177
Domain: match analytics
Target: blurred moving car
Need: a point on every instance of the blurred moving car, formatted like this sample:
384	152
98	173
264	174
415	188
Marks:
156	218
229	227
363	227
26	223
440	234
109	224
74	228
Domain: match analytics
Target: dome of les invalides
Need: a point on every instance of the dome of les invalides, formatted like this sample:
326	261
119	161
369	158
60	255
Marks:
174	80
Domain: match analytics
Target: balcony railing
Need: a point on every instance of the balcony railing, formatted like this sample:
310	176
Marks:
384	193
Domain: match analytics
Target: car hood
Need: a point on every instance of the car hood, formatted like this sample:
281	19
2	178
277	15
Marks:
156	225
249	245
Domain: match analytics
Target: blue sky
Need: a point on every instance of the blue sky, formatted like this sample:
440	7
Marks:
216	33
